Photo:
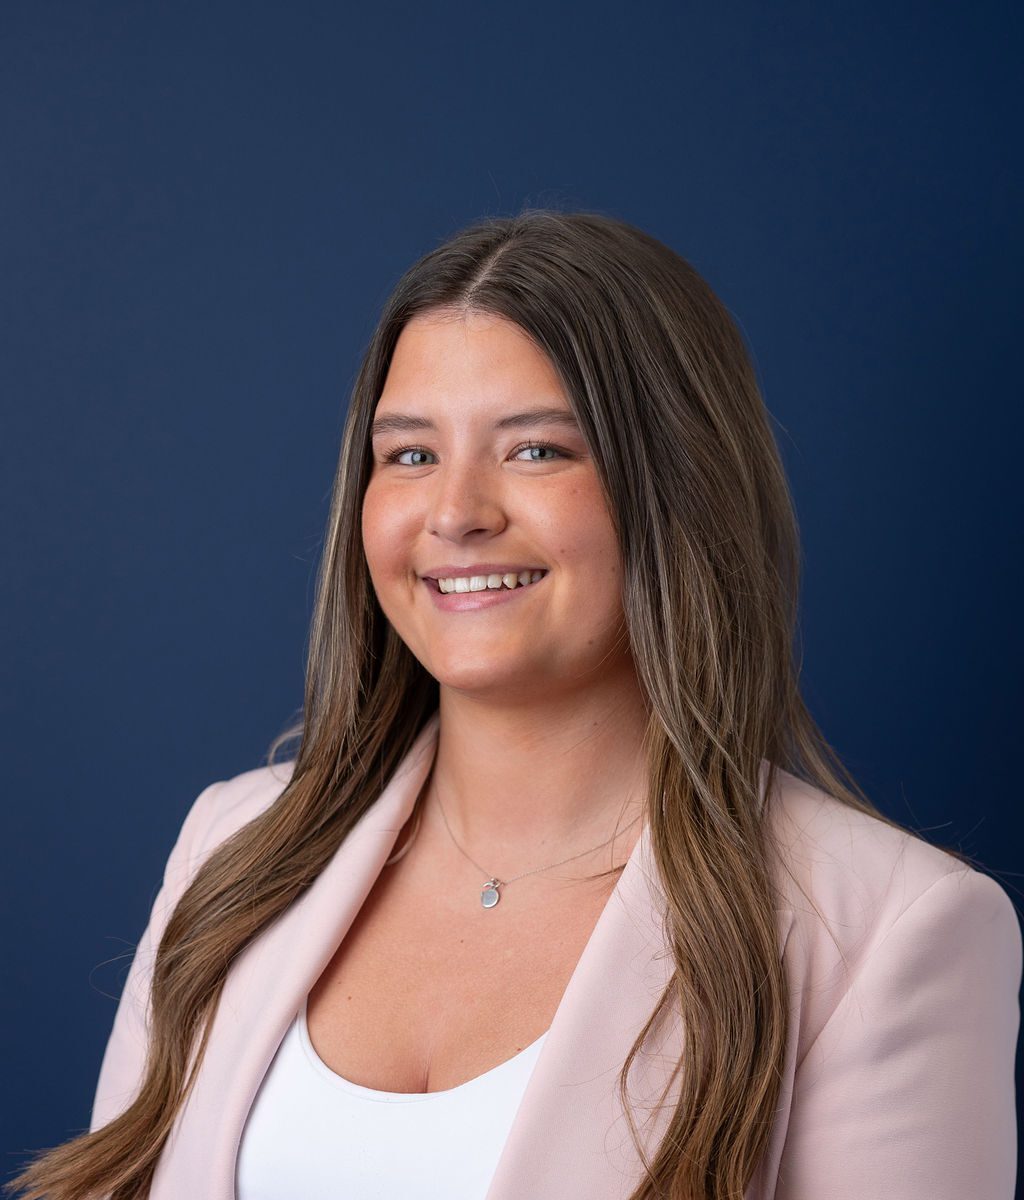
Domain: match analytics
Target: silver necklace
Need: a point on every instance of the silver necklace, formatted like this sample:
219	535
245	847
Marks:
489	893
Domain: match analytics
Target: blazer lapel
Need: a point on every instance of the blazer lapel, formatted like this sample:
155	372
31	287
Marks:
265	987
569	1125
570	1134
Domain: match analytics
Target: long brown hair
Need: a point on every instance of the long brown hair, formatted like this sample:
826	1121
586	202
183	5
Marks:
664	391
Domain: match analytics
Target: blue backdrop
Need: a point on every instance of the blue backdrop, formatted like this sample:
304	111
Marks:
202	207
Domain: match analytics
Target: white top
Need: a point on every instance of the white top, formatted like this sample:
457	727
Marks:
313	1135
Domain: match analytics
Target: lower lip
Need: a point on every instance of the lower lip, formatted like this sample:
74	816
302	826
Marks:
471	601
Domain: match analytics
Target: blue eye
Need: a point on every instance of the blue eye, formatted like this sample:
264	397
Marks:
392	456
539	446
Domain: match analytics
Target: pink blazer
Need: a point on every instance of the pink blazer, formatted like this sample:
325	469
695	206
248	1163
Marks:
898	1079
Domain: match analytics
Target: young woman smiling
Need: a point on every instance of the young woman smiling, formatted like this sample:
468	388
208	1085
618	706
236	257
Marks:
563	893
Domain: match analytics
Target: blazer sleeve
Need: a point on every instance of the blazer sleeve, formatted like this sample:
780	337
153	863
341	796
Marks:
124	1058
908	1090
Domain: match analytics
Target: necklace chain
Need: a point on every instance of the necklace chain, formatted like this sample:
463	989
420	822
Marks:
489	895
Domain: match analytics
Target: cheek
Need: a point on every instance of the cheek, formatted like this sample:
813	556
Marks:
586	550
586	536
381	524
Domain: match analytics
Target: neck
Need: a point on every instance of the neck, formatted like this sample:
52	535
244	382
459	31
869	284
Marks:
520	786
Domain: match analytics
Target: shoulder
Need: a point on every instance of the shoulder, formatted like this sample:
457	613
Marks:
224	806
847	860
848	882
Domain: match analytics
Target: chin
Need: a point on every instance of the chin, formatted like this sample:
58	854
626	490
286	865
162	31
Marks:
483	676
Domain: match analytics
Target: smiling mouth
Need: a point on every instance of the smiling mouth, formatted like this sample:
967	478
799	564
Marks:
503	587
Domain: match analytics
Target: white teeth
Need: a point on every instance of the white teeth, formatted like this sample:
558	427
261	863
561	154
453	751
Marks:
480	583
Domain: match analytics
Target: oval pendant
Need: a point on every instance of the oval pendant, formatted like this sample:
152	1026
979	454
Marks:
489	895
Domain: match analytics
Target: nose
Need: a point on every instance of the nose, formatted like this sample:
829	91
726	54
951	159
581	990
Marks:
465	499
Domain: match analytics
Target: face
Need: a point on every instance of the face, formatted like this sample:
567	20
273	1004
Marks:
456	487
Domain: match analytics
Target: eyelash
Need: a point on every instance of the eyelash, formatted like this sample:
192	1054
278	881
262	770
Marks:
392	455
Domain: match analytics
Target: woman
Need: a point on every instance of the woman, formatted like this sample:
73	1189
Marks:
563	894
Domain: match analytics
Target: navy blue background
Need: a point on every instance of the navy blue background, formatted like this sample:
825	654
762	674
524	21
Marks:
202	207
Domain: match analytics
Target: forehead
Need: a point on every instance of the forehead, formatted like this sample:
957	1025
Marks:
469	360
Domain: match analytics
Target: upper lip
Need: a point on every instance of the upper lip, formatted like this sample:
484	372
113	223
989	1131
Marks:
449	570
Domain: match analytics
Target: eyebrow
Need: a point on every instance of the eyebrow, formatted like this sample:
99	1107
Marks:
406	422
